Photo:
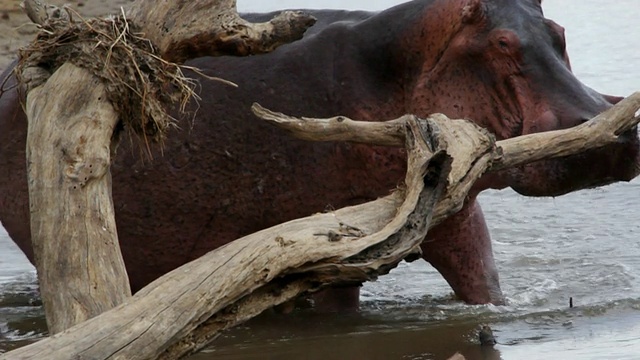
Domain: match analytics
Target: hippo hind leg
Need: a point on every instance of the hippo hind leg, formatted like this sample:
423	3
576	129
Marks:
460	249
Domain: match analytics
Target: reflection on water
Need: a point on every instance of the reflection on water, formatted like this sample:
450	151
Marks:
584	246
424	330
348	337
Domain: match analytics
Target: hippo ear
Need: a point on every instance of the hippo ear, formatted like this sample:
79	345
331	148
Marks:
472	11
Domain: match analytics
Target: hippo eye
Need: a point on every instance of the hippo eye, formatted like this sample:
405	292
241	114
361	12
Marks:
505	41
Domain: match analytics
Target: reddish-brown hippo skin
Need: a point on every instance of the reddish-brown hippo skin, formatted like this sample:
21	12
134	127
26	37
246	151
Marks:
227	174
470	249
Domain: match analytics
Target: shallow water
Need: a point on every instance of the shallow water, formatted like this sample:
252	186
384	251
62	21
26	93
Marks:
582	246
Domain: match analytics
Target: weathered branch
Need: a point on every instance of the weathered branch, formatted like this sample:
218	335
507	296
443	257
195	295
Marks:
186	29
339	128
40	12
602	130
81	271
349	245
269	267
472	153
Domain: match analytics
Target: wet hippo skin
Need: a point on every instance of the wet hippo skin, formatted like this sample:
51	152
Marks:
227	174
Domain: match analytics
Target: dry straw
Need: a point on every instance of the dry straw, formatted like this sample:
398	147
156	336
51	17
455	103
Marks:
141	86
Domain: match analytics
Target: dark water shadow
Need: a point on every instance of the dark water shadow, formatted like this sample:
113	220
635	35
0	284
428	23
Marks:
338	336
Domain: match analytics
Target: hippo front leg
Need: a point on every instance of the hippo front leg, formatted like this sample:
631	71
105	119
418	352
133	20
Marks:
460	249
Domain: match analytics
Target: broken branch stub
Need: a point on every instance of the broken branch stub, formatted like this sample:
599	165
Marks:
40	12
181	311
186	29
339	128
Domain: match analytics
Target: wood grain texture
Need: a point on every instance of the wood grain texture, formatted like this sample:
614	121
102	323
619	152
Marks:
602	130
186	29
81	272
80	267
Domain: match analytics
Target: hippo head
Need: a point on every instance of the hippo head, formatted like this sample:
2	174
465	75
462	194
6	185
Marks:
505	66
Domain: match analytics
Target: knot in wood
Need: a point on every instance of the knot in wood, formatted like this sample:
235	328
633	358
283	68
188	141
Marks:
83	171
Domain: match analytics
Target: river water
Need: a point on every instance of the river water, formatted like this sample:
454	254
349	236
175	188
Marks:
583	246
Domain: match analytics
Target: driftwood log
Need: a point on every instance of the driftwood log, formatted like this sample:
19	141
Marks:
183	310
71	140
179	312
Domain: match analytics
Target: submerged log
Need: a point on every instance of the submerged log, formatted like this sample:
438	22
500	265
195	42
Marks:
71	139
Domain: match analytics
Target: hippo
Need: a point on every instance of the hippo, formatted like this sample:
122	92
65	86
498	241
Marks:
225	173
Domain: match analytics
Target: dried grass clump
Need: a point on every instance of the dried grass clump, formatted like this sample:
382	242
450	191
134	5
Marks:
141	86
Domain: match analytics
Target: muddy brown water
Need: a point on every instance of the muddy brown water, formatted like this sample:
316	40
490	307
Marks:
583	246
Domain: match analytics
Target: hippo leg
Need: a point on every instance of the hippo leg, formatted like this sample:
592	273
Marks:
460	249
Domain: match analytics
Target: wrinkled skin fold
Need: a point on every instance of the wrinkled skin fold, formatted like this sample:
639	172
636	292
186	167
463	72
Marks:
227	174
